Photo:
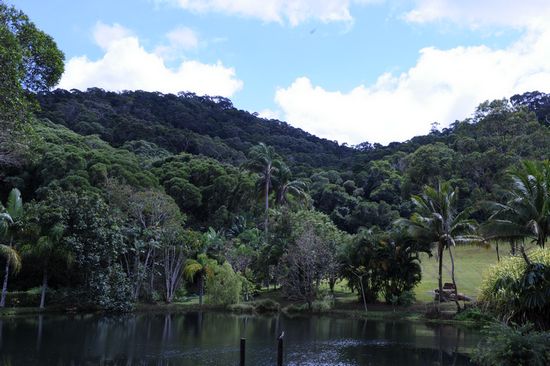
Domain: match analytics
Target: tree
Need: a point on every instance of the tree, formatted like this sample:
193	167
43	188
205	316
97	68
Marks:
286	186
201	268
224	286
526	213
173	256
438	223
45	223
30	61
10	224
264	161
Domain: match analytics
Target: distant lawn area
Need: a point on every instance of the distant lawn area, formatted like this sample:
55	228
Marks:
470	264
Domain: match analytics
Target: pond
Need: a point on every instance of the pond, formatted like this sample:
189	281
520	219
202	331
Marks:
212	338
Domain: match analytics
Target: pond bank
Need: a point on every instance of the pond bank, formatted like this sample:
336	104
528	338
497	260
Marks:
415	313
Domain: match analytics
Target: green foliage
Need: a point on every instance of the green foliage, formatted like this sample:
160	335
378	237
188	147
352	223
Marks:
30	61
513	346
518	291
224	286
382	264
111	290
266	306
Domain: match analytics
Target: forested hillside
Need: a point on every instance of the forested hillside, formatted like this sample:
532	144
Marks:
362	186
204	125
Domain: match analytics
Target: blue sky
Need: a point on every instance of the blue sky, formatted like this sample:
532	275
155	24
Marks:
347	70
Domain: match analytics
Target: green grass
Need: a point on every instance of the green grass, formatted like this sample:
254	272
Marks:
470	263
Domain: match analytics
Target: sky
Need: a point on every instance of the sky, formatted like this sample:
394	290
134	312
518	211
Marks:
346	70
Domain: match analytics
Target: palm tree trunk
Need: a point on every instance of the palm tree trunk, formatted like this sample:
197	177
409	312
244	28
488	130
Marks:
453	278
201	288
5	284
440	273
44	287
266	223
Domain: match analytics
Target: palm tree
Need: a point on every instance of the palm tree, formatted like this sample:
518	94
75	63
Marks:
202	267
526	213
264	161
48	246
438	223
11	214
286	186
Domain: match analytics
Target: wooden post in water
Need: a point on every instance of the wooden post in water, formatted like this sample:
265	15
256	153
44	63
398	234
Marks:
280	349
243	347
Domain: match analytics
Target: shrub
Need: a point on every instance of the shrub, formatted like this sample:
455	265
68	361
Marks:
323	305
514	290
509	346
22	299
474	314
224	287
266	306
242	308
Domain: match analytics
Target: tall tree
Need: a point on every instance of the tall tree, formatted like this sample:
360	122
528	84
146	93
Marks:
438	223
30	61
12	214
264	161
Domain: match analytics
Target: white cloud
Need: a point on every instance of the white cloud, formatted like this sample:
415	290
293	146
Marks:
443	86
269	114
126	65
476	13
183	37
105	35
280	11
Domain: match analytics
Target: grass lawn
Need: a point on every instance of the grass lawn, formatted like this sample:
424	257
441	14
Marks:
470	263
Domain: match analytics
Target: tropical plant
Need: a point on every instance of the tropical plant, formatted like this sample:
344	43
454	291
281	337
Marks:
9	224
286	186
438	223
264	160
526	213
48	247
505	345
515	290
201	268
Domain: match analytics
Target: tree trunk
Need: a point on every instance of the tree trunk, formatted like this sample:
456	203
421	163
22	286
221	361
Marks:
363	294
44	287
201	288
5	284
440	273
453	278
498	255
266	223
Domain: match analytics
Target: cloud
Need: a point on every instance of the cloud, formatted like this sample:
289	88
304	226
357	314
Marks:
126	65
475	13
269	114
280	11
443	86
183	37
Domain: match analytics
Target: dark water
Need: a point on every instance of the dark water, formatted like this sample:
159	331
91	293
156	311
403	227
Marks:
213	339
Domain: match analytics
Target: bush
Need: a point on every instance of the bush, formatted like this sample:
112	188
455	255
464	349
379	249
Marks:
111	290
22	299
323	305
266	306
519	292
508	346
242	308
224	287
474	314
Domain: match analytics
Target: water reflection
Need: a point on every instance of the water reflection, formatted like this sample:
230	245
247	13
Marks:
199	338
